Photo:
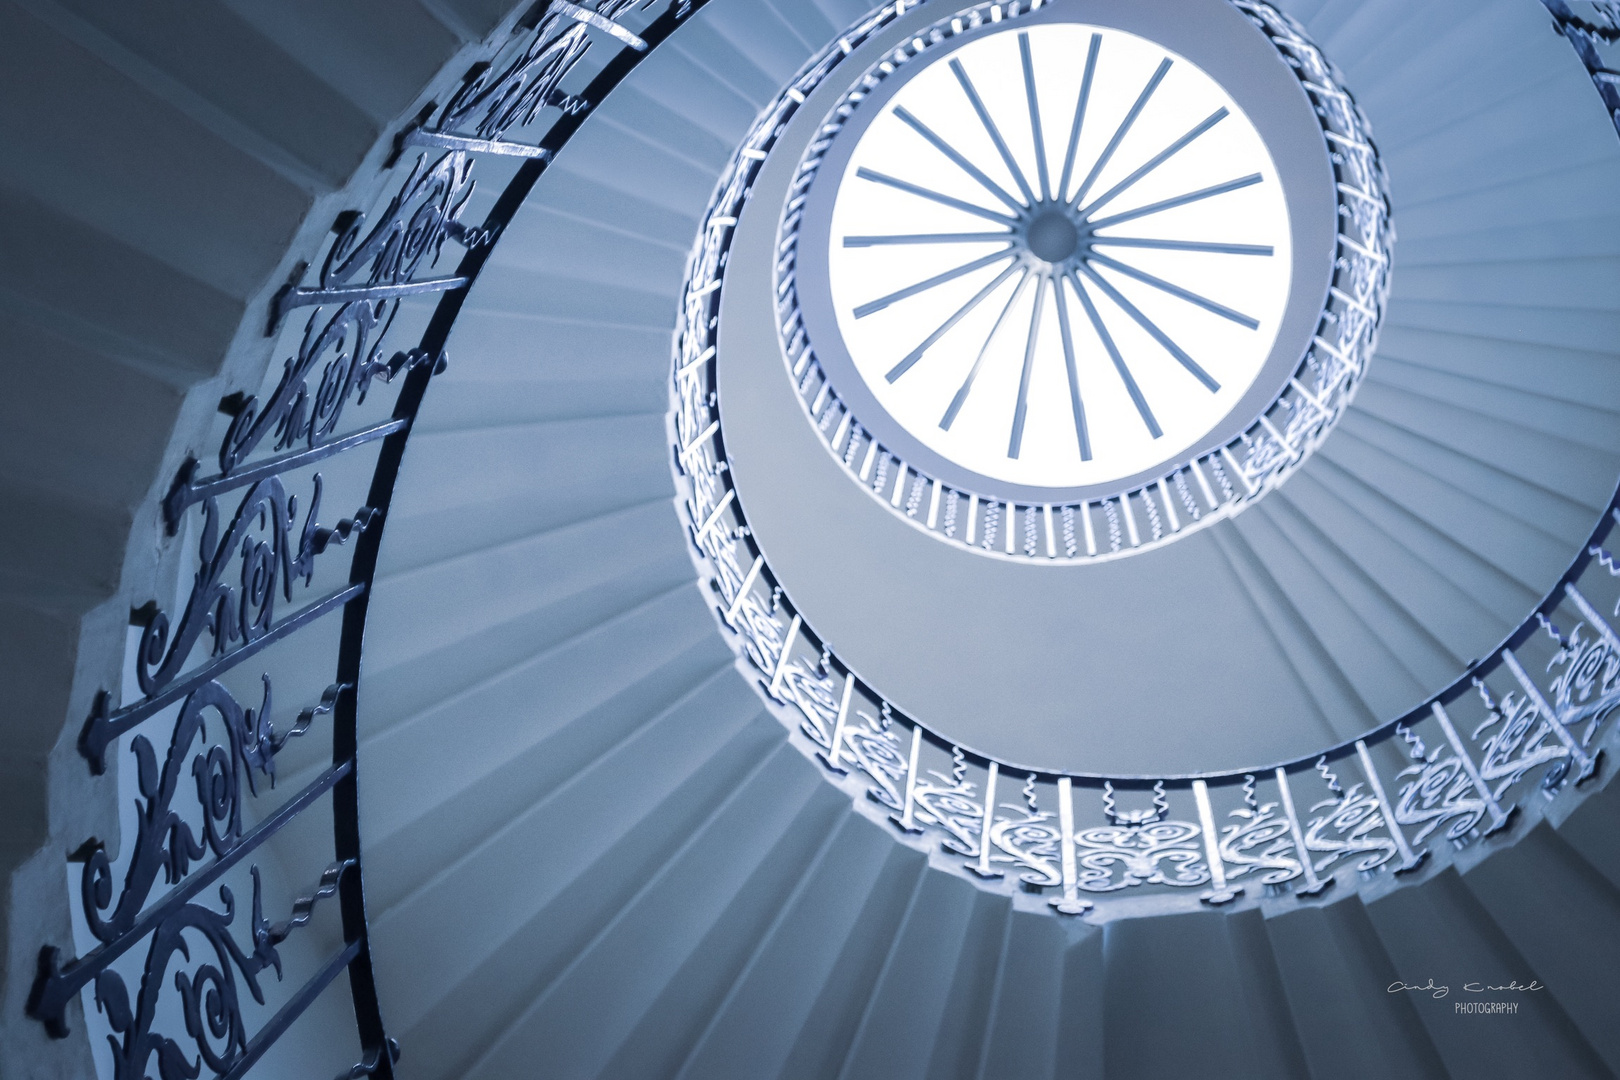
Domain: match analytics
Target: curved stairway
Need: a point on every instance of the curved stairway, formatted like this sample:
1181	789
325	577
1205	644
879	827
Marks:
591	850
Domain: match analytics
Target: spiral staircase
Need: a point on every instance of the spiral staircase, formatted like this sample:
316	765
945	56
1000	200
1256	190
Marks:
596	846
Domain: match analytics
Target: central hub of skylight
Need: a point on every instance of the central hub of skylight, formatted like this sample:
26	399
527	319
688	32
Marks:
1053	235
1058	256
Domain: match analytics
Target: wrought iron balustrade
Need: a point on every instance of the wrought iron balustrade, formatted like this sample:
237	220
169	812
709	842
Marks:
1200	489
1504	745
1511	737
286	526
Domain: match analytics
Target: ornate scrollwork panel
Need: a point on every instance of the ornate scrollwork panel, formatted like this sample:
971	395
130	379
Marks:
270	553
1347	828
1259	842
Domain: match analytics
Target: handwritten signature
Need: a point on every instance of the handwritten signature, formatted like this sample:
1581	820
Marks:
1435	991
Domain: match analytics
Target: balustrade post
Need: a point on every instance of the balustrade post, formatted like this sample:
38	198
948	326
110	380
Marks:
1314	885
1219	893
742	590
907	819
1500	819
775	689
1409	860
830	758
982	867
1070	903
1588	763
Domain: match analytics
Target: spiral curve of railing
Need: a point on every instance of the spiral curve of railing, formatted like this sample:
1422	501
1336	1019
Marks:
341	324
1506	744
1534	717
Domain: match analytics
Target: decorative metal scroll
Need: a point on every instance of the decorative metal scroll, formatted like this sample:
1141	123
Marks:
1533	719
1259	841
1140	847
260	550
1592	28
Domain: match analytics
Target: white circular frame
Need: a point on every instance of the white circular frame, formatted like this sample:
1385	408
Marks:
1284	376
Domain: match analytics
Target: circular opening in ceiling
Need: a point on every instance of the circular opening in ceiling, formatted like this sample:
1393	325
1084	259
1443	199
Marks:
1083	266
1057	256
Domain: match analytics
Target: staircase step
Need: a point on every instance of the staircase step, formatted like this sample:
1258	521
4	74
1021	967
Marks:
1440	932
1467	571
1395	575
1340	711
675	1021
490	495
1080	1042
1026	1014
561	873
752	1031
1337	978
509	767
583	1016
960	1046
1593	828
821	1044
1216	976
1561	915
1553	481
906	1009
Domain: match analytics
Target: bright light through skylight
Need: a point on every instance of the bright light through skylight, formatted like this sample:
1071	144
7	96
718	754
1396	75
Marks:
1052	309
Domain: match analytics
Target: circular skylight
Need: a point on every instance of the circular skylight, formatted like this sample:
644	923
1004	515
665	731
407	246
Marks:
1058	255
1067	281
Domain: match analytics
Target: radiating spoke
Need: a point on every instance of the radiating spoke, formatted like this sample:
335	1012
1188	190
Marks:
928	238
1182	245
944	328
1119	361
928	193
956	157
1177	291
1079	115
1034	117
1123	129
1159	159
1179	200
1021	410
1075	404
967	384
992	130
1148	324
938	279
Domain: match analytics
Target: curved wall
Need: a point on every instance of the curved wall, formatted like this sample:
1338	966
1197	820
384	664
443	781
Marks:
1427	526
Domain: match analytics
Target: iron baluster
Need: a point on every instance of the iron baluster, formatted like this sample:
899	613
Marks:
907	819
982	866
775	688
1500	819
1314	885
1219	893
830	757
1070	903
1588	763
1409	860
